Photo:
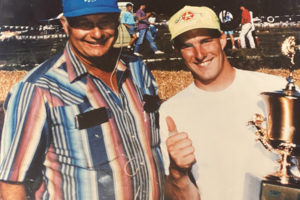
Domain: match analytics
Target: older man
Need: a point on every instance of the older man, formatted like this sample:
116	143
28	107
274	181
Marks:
82	125
209	150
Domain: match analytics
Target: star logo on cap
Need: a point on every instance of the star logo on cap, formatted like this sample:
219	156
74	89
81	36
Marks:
188	15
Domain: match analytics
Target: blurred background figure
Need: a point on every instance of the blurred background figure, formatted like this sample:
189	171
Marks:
152	27
226	17
128	20
143	28
246	28
253	32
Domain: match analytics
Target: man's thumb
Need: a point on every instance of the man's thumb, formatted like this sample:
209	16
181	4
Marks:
171	125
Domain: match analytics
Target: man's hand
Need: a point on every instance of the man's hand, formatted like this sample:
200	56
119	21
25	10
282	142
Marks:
181	151
148	14
180	148
12	191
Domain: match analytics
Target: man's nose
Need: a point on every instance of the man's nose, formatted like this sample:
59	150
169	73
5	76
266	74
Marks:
199	52
96	32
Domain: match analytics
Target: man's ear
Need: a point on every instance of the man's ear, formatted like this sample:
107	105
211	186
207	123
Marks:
223	40
117	33
64	24
175	47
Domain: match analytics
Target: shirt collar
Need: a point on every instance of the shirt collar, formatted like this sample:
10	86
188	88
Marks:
76	68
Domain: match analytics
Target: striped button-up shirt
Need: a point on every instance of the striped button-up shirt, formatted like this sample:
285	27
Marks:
85	141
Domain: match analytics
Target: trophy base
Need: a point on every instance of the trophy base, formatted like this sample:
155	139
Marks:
284	180
273	190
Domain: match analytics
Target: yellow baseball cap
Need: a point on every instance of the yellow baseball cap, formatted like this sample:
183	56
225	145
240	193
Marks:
193	17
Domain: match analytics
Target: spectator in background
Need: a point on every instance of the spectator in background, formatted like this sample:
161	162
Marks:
253	30
143	28
128	20
226	17
152	27
246	28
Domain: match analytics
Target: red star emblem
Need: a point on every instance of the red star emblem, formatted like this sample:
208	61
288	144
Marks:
187	16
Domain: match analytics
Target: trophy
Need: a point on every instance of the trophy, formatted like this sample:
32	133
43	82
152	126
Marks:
282	132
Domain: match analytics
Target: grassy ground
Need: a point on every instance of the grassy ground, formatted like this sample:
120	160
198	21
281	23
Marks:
169	82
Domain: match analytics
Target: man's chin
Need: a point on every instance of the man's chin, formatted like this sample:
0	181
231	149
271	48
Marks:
94	53
104	56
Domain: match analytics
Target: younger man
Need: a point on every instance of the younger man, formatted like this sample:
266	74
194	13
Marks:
216	157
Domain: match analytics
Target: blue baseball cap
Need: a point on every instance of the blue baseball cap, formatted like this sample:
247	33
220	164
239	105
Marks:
74	8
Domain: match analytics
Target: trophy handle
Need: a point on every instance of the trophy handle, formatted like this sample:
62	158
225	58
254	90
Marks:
284	150
261	133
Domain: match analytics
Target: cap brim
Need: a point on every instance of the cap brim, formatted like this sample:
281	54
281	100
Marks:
215	33
180	39
91	10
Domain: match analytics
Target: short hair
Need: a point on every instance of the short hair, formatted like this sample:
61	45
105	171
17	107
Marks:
129	4
142	2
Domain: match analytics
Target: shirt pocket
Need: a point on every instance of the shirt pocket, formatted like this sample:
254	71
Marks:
82	147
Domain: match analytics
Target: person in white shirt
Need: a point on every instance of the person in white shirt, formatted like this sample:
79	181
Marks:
226	17
209	150
152	27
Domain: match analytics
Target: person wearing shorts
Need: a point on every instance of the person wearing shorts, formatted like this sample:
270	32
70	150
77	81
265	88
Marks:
129	23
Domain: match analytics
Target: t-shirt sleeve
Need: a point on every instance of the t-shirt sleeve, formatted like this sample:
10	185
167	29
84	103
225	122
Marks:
23	128
124	18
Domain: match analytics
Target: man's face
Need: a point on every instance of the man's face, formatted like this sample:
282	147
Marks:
91	36
203	55
129	8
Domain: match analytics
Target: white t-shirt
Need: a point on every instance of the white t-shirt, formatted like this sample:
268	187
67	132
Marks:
152	20
229	161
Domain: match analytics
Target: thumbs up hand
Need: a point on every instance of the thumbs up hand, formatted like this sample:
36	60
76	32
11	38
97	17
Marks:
180	148
179	184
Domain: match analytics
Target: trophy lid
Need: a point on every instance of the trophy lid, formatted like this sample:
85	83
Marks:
294	94
289	49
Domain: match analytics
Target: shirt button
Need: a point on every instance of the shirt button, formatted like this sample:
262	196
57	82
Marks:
97	135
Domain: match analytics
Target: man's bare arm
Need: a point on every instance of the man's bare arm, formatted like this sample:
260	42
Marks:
179	187
10	191
145	17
